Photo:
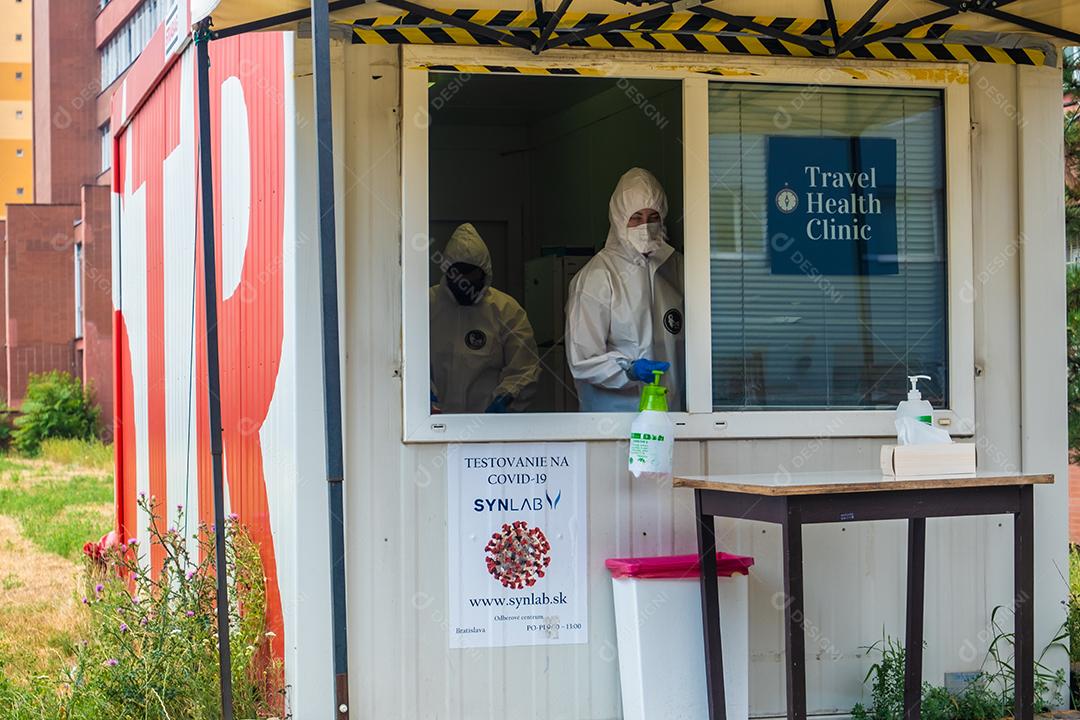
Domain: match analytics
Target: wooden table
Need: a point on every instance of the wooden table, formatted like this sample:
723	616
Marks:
794	500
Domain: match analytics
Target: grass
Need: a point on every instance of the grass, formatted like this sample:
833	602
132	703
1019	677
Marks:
58	516
1073	617
49	507
89	454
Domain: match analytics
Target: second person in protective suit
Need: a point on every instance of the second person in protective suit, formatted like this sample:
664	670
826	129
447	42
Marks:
624	316
483	353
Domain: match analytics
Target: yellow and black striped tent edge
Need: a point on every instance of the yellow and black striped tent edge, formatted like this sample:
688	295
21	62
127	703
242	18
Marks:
688	32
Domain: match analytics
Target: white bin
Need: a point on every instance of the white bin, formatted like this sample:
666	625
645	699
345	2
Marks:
661	647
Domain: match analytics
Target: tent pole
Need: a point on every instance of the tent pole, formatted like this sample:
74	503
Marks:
206	176
335	466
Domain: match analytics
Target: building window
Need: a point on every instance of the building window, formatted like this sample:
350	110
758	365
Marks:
824	258
532	257
18	152
828	246
19	191
18	37
124	47
18	114
106	147
18	74
78	290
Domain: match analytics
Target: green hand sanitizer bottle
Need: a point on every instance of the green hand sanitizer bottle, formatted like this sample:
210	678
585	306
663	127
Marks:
652	434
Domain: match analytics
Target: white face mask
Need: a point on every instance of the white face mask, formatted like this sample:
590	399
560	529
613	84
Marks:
646	238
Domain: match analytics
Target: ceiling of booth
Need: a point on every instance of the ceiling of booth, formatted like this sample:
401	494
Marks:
1063	14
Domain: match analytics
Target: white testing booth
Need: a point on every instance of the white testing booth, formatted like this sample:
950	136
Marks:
435	124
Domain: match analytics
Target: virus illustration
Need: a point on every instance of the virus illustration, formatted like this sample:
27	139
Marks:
518	555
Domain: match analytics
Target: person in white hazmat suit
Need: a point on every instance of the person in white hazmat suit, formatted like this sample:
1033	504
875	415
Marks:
624	315
483	353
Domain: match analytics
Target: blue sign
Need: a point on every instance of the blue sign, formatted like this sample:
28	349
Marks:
832	206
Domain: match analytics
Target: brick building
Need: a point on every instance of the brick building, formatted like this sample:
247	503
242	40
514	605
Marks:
55	294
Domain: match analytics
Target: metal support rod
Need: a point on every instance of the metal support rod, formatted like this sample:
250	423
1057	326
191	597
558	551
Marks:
901	29
213	379
622	23
476	28
994	12
834	29
852	35
282	19
335	464
549	28
747	24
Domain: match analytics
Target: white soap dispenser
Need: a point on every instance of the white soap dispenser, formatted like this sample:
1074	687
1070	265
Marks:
915	407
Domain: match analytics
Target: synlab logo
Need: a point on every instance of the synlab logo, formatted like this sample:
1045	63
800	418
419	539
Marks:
553	503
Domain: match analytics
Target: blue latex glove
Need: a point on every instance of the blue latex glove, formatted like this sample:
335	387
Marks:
642	370
500	404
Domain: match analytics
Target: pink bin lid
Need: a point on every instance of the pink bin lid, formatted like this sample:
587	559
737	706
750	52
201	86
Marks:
676	566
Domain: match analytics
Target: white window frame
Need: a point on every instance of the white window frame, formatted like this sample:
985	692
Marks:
695	71
78	257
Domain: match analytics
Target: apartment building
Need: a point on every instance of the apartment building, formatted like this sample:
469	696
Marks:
16	113
55	296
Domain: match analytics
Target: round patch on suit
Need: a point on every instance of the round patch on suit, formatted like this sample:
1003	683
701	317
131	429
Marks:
673	321
475	339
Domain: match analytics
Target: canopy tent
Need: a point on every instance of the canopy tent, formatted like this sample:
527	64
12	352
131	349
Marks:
841	28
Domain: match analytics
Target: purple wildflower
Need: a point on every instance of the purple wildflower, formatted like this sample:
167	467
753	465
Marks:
85	601
99	588
123	627
112	662
190	613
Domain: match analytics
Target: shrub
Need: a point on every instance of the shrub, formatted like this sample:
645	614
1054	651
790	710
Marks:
988	697
1072	336
56	406
1072	621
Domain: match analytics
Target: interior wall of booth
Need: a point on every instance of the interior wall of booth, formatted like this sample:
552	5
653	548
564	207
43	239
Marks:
534	182
396	501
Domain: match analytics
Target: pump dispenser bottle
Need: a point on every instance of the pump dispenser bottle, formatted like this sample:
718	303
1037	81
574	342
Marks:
915	407
652	434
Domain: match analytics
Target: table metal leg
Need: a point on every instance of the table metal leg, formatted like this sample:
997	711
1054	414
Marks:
710	612
916	585
794	616
1024	591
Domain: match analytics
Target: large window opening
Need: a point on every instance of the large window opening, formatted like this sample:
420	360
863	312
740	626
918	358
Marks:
530	165
828	246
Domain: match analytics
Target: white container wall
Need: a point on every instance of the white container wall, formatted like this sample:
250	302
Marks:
401	667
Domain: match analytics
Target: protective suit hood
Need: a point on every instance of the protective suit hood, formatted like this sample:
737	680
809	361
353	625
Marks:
466	246
637	189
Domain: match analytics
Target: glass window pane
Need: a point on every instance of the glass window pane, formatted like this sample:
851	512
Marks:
826	314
